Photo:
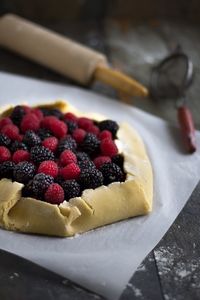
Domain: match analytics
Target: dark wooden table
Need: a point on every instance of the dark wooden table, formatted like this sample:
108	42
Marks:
172	269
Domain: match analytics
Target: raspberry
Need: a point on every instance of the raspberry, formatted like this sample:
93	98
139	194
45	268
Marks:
38	186
4	122
90	143
16	145
47	121
19	138
17	114
71	188
100	160
85	123
31	139
71	117
48	167
57	127
54	194
30	122
38	113
109	125
111	173
27	109
71	171
44	133
90	179
4	154
93	129
67	157
4	140
40	154
118	160
108	147
6	169
67	143
105	134
71	125
50	143
21	155
23	172
11	131
79	135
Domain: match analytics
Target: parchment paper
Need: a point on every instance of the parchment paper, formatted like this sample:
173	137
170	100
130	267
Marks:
103	260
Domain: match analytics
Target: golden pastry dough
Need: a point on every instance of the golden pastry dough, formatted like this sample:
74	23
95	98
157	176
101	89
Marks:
96	207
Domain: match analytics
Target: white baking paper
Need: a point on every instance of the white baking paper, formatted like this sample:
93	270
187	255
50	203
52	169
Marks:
103	260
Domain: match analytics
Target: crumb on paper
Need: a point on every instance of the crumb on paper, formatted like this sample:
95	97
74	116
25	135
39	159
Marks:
74	236
103	283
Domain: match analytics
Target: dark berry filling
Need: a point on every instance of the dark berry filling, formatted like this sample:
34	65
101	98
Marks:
57	156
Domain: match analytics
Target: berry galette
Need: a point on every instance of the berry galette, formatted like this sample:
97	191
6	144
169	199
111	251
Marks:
63	172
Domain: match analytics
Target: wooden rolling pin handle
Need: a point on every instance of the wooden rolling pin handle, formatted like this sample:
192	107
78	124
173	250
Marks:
120	81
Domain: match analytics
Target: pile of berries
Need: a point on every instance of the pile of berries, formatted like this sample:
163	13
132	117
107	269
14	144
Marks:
57	156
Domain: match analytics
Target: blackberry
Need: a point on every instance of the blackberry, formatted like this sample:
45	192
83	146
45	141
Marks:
40	154
6	169
38	186
16	145
71	188
86	164
118	160
4	140
31	139
90	179
67	143
17	115
59	179
110	125
23	172
27	190
111	173
44	133
82	156
71	126
90	143
52	112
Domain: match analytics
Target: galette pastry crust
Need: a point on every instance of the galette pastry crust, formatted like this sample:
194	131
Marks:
95	208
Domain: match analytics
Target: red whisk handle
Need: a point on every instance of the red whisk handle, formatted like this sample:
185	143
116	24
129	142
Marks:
187	128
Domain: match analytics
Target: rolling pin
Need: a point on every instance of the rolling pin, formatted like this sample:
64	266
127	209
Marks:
63	55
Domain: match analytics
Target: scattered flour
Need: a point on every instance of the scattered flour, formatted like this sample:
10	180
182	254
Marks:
184	271
15	274
136	291
65	281
141	268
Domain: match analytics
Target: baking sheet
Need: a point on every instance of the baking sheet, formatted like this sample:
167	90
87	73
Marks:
103	260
